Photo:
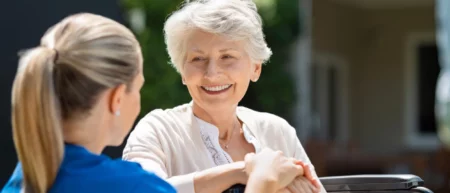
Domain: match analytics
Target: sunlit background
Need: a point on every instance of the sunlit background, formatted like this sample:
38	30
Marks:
357	78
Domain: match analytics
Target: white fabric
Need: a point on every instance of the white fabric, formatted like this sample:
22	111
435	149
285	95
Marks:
170	143
210	136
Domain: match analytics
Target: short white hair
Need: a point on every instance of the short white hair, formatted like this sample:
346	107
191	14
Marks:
234	19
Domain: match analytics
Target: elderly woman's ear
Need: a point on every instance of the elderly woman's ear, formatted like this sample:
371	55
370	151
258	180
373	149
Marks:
256	72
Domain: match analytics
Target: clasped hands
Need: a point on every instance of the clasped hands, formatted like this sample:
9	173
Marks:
290	175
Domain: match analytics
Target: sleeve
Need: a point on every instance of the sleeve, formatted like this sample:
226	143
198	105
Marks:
144	147
14	184
299	152
154	184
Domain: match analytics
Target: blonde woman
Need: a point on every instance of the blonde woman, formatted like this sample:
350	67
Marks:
77	93
218	48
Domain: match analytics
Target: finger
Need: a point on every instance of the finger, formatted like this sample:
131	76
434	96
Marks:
299	170
307	169
310	176
310	186
299	162
293	187
316	184
249	156
314	181
302	185
285	190
248	159
308	173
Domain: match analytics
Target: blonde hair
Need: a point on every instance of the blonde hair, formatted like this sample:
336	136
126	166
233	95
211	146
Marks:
78	58
235	19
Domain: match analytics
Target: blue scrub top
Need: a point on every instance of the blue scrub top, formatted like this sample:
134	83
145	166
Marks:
83	171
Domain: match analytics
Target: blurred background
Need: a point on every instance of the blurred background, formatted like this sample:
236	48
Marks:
357	78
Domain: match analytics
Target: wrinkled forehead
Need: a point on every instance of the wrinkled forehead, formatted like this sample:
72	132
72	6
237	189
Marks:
201	41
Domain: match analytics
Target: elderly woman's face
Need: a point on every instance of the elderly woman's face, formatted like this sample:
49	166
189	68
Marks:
217	71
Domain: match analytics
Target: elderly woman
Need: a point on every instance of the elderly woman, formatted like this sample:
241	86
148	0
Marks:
218	48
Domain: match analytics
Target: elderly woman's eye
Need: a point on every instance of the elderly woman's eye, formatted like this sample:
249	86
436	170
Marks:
227	57
196	59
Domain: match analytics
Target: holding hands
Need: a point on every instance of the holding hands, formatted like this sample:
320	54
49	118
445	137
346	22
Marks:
269	172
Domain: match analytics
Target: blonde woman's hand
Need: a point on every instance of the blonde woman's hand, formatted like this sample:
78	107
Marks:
272	166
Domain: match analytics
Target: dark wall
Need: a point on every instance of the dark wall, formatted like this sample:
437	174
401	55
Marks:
23	22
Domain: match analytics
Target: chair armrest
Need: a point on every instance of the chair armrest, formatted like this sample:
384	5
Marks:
364	183
372	183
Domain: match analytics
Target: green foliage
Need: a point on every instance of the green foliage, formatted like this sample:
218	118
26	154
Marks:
274	92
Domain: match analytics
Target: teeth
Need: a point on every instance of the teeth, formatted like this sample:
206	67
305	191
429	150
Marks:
216	88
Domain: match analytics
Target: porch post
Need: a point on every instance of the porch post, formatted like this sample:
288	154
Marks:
443	85
301	69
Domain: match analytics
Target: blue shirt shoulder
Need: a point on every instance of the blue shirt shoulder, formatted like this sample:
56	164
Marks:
14	184
82	171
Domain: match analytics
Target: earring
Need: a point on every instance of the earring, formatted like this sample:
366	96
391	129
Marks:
117	113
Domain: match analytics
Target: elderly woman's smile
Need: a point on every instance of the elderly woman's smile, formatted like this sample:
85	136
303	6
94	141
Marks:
216	89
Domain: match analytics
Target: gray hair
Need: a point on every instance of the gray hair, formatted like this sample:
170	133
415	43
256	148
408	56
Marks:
234	19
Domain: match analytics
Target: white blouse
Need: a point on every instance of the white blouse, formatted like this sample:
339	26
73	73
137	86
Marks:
210	136
174	144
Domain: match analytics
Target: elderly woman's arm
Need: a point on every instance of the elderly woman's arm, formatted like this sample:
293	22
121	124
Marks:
144	147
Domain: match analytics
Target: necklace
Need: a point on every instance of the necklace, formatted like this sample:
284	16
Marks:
232	132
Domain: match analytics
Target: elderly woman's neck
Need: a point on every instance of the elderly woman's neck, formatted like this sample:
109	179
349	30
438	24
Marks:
224	120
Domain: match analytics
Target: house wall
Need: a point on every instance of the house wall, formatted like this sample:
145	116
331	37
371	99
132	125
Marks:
373	43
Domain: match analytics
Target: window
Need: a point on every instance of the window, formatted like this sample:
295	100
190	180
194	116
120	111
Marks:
427	75
329	98
421	74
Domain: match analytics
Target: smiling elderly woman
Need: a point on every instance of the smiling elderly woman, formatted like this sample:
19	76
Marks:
218	48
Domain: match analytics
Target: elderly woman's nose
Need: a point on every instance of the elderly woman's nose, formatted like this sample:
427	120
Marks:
212	70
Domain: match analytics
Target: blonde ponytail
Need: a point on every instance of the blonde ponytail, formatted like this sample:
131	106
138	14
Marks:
36	120
80	57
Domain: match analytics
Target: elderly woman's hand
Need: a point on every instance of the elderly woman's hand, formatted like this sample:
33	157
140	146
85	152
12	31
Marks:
300	185
303	184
